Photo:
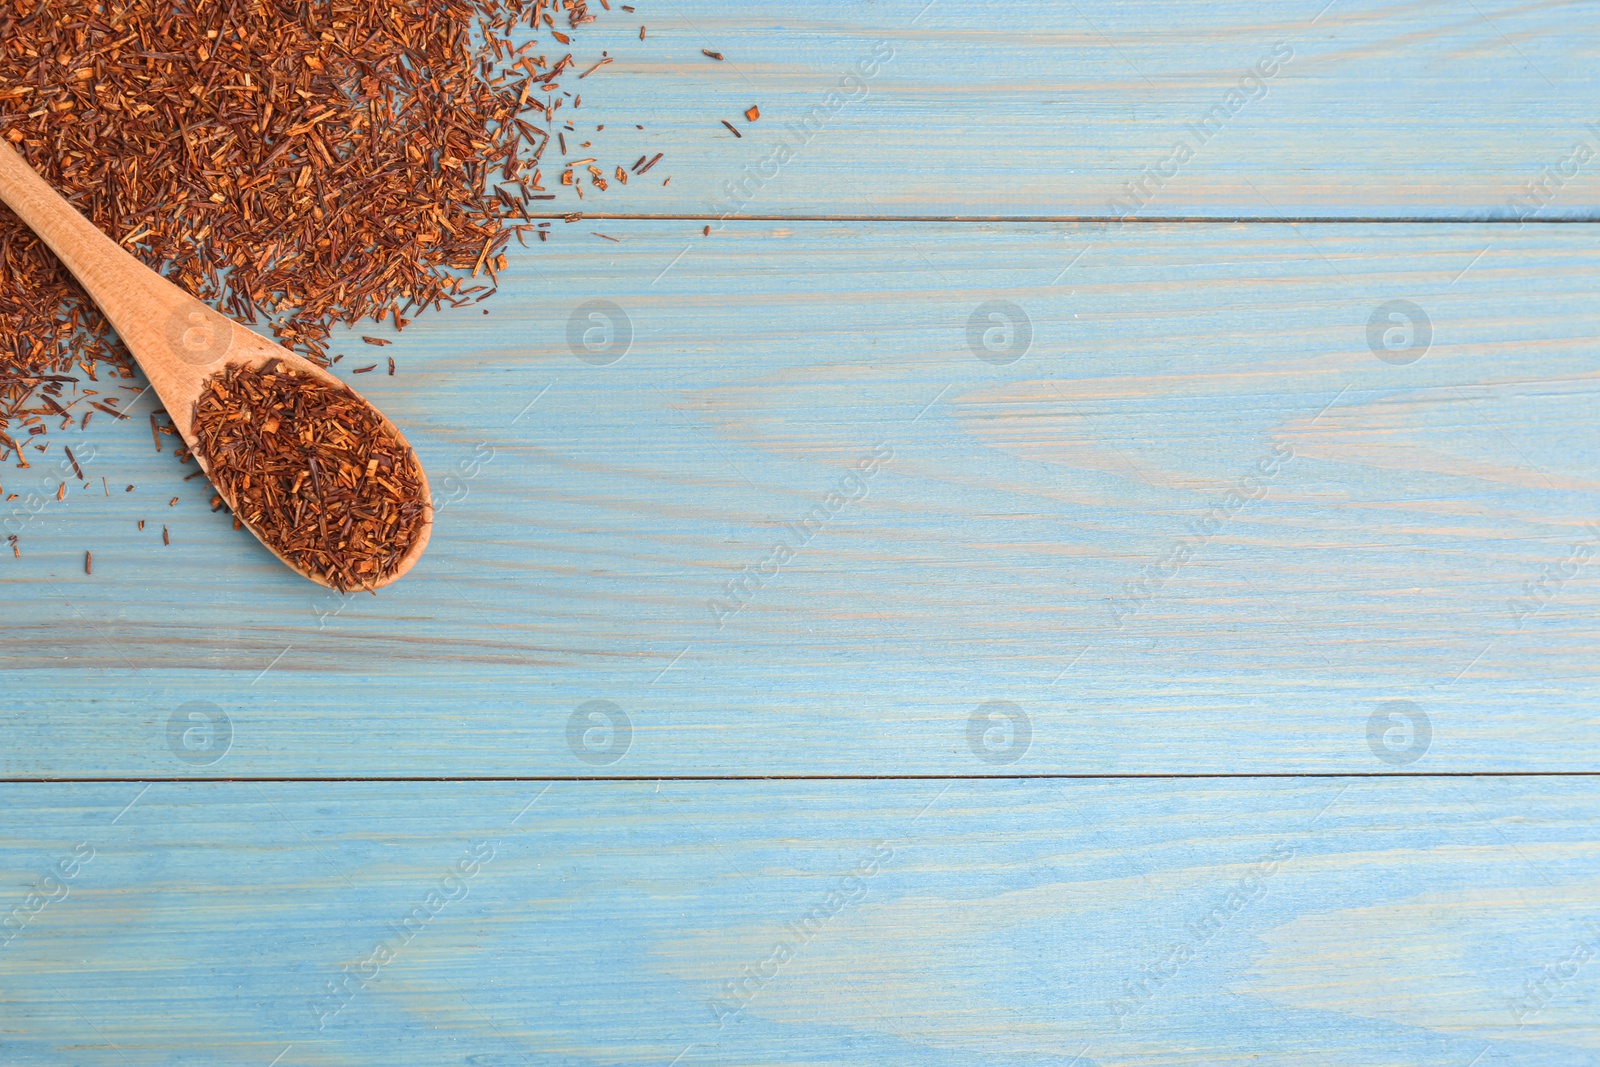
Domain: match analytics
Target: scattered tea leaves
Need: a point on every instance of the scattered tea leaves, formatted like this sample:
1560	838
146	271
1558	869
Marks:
297	165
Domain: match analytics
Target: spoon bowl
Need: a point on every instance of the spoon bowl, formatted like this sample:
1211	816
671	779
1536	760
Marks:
179	342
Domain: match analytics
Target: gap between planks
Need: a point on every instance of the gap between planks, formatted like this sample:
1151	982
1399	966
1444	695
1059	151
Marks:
490	778
1120	220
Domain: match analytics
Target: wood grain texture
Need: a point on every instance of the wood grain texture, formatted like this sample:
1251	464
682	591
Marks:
1199	526
1249	499
963	924
1373	108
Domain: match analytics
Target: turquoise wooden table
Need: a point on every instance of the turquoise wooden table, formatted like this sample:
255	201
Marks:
1090	561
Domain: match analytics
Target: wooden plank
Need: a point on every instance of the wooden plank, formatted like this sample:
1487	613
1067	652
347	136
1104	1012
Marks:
1206	523
969	923
1354	109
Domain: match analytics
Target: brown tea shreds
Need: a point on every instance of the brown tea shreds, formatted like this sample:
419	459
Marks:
312	469
301	164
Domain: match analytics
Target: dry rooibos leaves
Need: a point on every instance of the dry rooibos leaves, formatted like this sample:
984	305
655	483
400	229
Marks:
313	470
305	163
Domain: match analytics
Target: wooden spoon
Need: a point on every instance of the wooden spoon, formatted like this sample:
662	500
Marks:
178	341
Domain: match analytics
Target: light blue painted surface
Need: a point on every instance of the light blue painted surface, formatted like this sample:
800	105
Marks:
1407	590
1382	108
989	923
1400	516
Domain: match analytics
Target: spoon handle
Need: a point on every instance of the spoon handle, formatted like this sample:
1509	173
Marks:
177	339
136	300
